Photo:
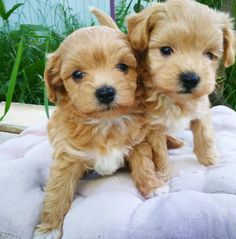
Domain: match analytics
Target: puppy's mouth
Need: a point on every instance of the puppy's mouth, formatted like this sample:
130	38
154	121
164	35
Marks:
107	107
113	108
186	91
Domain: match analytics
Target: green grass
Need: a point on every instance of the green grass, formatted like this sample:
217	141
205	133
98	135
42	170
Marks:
13	77
38	40
27	85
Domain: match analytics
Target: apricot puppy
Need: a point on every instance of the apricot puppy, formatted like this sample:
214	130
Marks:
180	44
98	122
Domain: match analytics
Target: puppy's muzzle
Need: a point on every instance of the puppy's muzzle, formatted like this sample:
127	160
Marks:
105	95
189	81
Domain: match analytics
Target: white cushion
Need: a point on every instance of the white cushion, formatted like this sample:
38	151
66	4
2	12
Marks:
201	202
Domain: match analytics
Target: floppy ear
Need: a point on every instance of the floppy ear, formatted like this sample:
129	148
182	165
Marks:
52	77
103	18
229	41
141	25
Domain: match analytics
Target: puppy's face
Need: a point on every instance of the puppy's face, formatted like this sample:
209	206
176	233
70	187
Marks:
95	69
184	42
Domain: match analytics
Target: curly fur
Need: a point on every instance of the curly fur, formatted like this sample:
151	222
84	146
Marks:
192	30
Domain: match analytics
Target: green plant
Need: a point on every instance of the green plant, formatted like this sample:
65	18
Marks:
70	21
38	40
122	10
12	81
29	86
4	14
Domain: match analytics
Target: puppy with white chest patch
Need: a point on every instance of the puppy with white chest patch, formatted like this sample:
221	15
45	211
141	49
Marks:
99	120
180	44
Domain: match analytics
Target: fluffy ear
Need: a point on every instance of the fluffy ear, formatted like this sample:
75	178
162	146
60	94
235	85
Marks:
52	77
103	18
140	26
229	41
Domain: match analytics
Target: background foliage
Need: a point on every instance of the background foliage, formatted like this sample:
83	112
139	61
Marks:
40	39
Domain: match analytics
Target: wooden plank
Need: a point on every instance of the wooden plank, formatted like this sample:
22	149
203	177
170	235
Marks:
9	128
21	116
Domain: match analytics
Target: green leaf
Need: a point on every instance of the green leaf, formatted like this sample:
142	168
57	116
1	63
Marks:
12	81
125	12
45	96
46	102
2	9
8	14
45	89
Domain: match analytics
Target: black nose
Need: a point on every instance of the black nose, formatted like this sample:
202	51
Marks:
189	80
105	95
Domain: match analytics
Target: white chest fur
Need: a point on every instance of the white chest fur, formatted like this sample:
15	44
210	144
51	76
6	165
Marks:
172	122
174	117
109	163
103	164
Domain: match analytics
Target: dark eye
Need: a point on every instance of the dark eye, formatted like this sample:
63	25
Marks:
122	67
166	51
210	55
78	75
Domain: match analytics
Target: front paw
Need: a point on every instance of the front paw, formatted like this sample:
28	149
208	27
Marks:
159	191
208	157
156	188
45	232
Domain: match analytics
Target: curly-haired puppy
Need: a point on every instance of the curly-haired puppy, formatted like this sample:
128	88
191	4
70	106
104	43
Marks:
98	122
180	44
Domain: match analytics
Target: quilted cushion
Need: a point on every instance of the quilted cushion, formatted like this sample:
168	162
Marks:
201	202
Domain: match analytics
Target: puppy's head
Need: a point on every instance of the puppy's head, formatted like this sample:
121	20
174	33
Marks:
95	69
183	41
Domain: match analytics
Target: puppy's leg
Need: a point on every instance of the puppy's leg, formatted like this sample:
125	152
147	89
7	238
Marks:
157	139
203	138
64	176
143	171
173	143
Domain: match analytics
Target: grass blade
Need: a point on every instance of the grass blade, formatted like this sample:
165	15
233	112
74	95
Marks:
46	102
45	90
8	14
2	10
12	81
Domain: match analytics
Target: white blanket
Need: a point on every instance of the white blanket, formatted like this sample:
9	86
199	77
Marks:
201	202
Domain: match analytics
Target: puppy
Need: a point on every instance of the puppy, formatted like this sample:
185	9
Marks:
99	120
180	44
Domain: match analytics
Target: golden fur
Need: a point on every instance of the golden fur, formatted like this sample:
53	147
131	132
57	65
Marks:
199	38
84	133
